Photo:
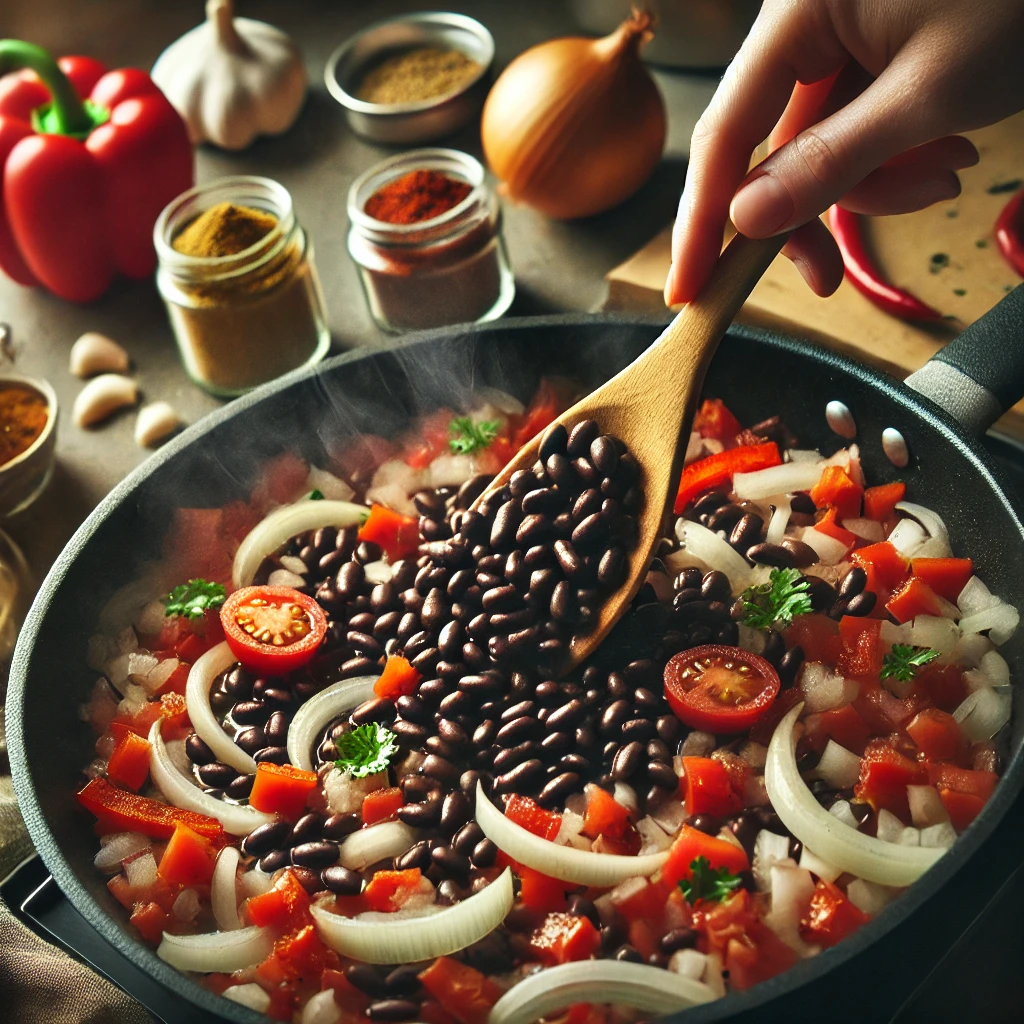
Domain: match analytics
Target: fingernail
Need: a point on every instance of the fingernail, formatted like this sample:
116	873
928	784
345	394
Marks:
670	285
761	207
805	272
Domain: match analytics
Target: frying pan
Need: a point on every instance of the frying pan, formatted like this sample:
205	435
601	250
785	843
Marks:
312	412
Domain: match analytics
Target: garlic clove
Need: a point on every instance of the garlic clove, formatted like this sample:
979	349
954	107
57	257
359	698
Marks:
96	353
102	397
155	423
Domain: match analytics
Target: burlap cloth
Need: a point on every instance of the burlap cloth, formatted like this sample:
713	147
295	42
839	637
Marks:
40	984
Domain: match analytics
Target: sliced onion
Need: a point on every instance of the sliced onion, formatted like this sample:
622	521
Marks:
829	550
792	889
204	721
412	939
1001	621
933	524
583	867
779	520
284	523
714	552
861	855
907	536
336	700
598	981
822	868
378	842
975	597
238	819
224	952
119	847
983	713
784	479
224	890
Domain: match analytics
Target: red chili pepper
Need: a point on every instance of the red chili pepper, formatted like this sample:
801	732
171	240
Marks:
1010	232
88	164
864	275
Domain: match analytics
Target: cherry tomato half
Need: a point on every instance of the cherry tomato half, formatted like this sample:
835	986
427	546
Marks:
272	629
719	689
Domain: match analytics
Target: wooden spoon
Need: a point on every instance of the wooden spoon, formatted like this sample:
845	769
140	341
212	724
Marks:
648	405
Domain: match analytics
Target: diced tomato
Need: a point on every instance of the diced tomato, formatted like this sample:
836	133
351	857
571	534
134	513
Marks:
713	419
540	892
882	711
761	731
862	647
913	598
844	725
190	648
285	908
707	789
399	679
644	903
937	735
884	776
643	937
464	992
880	501
885	567
139	723
431	439
530	815
692	844
604	815
283	1002
942	685
716	470
831	916
151	920
381	804
129	763
562	938
281	789
174	712
962	780
835	489
828	524
397	535
946	576
188	859
818	636
962	808
300	957
388	890
542	411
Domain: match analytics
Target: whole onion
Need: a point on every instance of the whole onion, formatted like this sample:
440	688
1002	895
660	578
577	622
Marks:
575	126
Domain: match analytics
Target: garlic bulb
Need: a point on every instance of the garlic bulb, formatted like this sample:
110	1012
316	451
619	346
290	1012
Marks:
232	79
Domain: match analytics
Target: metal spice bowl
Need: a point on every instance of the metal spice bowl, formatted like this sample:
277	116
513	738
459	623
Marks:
425	120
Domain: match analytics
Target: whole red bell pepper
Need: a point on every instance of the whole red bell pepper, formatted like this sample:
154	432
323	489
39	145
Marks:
89	160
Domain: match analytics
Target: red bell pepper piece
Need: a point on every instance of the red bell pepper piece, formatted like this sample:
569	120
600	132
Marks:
542	411
884	776
129	763
562	938
385	890
151	920
962	808
188	859
399	679
844	725
707	788
880	501
285	908
398	535
381	804
937	735
529	815
604	815
828	524
84	176
831	916
281	789
715	470
714	419
1010	232
913	598
540	892
862	647
122	811
962	780
300	957
885	567
464	992
692	844
646	903
835	488
946	576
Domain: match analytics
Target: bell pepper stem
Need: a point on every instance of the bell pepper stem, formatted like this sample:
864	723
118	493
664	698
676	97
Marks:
66	114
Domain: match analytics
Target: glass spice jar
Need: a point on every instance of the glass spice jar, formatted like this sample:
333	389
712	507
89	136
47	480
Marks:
245	318
449	269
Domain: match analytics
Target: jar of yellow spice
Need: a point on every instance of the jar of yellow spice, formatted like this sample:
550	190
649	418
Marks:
236	272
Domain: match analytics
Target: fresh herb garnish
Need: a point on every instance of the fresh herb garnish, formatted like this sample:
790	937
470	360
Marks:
471	437
316	495
777	602
904	661
366	750
707	883
192	599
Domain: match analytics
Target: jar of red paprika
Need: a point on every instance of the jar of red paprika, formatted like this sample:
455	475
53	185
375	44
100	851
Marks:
426	236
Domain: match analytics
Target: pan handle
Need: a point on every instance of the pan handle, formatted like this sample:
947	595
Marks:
979	374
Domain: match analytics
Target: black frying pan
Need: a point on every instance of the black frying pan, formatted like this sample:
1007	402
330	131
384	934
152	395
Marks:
758	373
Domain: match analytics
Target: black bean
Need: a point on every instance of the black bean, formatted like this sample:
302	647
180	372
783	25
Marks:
838	609
715	586
484	854
251	739
613	716
612	568
677	939
662	775
821	593
349	580
628	953
638	729
853	582
518	731
439	768
862	604
337	826
376	709
604	455
265	838
559	787
455	811
425	815
703	823
275	755
506	521
198	752
566	717
590	533
505	760
563	603
278	697
250	712
553	442
789	664
581	437
520	779
451	861
315	855
774	647
308	829
240	788
746	532
452	733
627	761
726	517
472	489
543	501
409	733
417	856
274	861
803	554
771	554
404	980
369	979
366	552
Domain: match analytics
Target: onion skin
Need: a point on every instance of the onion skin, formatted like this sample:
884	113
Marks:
575	126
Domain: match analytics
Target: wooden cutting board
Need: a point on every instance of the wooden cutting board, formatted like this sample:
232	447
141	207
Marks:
966	278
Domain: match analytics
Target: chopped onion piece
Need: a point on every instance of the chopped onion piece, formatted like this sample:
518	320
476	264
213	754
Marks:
715	552
689	963
378	572
936	632
119	847
697	744
255	882
842	810
829	550
890	633
933	547
769	849
983	713
870	529
333	488
803	455
583	867
839	767
224	890
312	717
890	828
994	665
412	939
822	868
792	889
141	870
933	524
823	689
617	982
238	819
223	952
1001	621
204	721
779	520
623	793
378	842
754	754
940	836
926	808
971	648
159	675
321	1008
870	897
850	850
251	995
907	536
186	905
975	597
284	523
285	578
784	479
655	839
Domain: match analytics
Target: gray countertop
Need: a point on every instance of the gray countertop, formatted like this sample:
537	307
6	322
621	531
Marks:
558	266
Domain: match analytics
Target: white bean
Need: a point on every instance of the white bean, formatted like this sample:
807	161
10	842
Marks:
154	423
96	353
102	397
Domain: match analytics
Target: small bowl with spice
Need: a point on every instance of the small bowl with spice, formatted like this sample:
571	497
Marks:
414	78
425	233
28	438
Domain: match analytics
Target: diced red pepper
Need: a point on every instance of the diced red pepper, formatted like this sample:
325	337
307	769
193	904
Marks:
942	685
542	411
151	920
844	725
562	938
399	679
645	903
831	916
604	815
818	637
529	815
882	711
884	776
946	576
465	993
174	712
397	535
716	470
880	501
540	892
714	419
862	647
962	808
188	860
381	804
300	957
835	489
937	735
885	567
692	844
285	908
962	780
281	789
388	890
129	763
431	440
828	524
707	788
913	598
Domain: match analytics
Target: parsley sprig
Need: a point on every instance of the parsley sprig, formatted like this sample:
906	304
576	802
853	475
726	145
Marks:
777	602
472	437
192	599
707	883
904	661
366	750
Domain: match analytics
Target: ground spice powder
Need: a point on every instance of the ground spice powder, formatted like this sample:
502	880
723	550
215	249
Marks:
23	415
416	196
418	74
224	230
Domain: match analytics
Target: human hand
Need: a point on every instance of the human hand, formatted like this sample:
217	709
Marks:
861	101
